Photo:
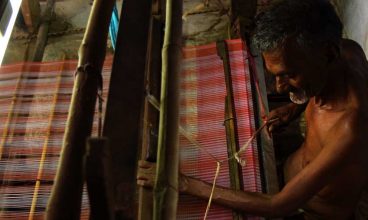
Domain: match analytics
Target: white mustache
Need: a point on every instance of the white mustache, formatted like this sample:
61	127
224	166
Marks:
299	96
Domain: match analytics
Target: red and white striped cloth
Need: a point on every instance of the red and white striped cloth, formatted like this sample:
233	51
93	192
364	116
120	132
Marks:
34	104
202	114
28	109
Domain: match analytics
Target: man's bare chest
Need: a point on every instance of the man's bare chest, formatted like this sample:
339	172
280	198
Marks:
320	127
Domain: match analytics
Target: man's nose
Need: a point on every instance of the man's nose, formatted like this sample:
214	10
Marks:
282	84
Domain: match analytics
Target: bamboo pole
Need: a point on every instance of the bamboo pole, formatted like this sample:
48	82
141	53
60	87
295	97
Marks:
43	31
166	184
236	180
65	200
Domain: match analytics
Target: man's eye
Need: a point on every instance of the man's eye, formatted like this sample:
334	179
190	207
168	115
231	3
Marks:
291	75
283	75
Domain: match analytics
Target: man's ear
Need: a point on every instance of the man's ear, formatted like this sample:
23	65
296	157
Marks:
331	51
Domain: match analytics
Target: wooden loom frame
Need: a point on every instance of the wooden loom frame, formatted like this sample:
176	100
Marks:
126	87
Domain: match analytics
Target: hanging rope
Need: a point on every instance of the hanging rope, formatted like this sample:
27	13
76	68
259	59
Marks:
218	165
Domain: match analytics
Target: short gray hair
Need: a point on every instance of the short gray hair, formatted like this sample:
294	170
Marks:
309	22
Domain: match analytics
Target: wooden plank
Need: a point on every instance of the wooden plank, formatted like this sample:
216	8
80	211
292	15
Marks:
31	14
123	120
98	179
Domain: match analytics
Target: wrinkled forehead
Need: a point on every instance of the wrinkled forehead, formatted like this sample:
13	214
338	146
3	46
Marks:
291	49
274	61
287	56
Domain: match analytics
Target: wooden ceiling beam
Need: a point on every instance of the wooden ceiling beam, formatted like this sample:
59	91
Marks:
31	13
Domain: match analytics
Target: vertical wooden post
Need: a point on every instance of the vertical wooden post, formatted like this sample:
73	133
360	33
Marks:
267	157
65	200
31	14
97	171
123	118
43	31
166	185
236	177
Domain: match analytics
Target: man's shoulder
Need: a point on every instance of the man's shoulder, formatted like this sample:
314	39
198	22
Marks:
351	49
350	44
354	121
342	115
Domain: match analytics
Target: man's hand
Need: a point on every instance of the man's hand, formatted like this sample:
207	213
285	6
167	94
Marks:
147	173
285	114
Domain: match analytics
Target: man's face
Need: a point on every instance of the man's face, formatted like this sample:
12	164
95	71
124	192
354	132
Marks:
295	70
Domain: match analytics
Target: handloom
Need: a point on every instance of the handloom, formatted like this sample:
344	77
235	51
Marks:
202	114
35	108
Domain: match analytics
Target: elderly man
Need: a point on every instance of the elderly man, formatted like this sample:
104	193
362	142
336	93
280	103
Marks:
326	75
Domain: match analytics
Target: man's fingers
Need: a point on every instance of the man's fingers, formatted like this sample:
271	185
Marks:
183	183
271	128
276	127
146	164
145	183
146	173
272	123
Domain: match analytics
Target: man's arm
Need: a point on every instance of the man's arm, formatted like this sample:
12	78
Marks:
285	114
335	154
251	202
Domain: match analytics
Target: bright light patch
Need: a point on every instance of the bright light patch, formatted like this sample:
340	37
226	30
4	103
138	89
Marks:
4	39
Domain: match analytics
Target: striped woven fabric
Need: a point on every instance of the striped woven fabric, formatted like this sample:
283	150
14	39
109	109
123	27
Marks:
202	115
34	103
